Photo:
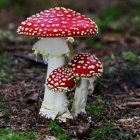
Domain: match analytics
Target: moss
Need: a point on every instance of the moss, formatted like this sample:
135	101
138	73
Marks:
4	109
129	56
7	74
101	133
61	134
94	110
9	134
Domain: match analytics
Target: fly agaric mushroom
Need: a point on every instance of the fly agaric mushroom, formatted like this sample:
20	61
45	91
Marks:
53	26
61	80
84	66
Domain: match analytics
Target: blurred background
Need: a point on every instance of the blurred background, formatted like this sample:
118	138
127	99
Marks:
118	22
117	45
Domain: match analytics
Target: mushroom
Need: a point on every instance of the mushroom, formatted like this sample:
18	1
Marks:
84	66
53	26
61	80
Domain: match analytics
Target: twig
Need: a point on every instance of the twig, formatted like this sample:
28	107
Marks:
31	58
133	104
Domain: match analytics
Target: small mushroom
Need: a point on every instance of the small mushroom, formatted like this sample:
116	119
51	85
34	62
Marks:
54	26
61	80
84	66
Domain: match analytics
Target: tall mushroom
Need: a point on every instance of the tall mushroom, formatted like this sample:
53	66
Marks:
53	26
84	66
55	58
61	80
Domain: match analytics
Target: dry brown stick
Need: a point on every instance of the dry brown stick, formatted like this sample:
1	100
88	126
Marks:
129	104
133	104
14	48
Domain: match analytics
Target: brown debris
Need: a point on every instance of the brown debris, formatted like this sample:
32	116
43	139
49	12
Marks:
130	123
133	104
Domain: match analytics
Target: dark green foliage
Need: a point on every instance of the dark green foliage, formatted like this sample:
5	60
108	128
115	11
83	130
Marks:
4	109
26	7
3	57
6	72
4	3
61	134
112	13
94	110
8	134
109	15
130	56
53	126
101	133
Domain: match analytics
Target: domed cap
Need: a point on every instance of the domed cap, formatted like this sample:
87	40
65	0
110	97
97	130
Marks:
61	79
58	22
85	65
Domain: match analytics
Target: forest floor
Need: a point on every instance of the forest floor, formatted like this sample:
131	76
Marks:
113	109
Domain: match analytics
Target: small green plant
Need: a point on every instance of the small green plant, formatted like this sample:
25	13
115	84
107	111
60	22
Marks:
138	51
100	133
6	73
94	110
107	17
63	136
7	36
60	133
4	109
137	112
130	56
4	3
53	126
8	134
100	98
110	118
99	45
111	13
4	56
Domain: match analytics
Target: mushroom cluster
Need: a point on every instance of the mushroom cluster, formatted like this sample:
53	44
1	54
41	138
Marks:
84	66
56	28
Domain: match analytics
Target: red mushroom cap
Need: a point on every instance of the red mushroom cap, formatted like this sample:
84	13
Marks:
58	22
85	65
61	79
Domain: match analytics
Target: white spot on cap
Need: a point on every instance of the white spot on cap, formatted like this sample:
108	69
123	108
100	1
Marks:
42	25
55	30
81	62
40	30
78	66
23	23
53	25
57	25
62	84
26	29
69	15
56	84
29	23
91	67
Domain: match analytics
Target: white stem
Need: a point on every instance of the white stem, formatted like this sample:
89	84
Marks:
80	97
47	108
54	63
53	51
61	103
55	103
